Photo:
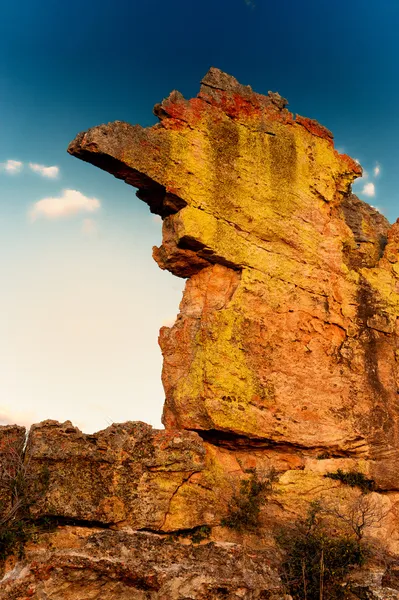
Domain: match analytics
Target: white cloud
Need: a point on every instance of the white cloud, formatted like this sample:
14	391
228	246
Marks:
369	189
70	203
89	227
377	170
50	172
156	218
15	166
12	166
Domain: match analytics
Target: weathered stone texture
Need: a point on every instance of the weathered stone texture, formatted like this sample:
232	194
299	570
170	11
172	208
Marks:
12	440
78	563
127	473
287	331
131	476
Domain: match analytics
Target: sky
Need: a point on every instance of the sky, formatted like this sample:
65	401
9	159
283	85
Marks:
81	299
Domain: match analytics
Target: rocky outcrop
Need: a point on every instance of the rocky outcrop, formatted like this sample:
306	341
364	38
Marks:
126	510
127	474
287	328
131	476
77	563
284	356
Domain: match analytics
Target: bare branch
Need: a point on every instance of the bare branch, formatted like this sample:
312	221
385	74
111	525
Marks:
362	513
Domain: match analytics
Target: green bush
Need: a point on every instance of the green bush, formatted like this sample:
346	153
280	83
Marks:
13	537
200	534
196	534
246	505
316	559
353	479
20	489
323	456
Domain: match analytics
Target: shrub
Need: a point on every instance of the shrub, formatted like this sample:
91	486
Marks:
323	456
353	479
200	533
20	490
315	559
246	505
363	512
197	534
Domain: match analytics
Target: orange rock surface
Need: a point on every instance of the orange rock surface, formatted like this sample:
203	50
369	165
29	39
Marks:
287	332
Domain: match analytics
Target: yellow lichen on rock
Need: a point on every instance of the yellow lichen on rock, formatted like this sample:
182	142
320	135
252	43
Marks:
287	328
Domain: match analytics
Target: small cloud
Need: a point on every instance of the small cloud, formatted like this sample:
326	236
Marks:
377	170
377	208
70	203
156	219
50	172
89	227
12	166
369	189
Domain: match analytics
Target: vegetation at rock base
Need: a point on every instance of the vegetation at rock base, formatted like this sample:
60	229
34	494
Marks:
200	534
196	535
246	504
323	455
20	489
315	558
353	479
321	549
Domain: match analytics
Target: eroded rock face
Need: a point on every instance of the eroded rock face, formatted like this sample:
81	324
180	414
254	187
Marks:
130	475
287	332
126	474
77	563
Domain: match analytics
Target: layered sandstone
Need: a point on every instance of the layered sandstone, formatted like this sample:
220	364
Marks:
76	563
126	508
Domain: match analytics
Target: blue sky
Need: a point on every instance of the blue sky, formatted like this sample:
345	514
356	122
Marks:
82	301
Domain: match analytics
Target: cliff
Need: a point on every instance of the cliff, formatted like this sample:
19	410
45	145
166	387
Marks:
283	357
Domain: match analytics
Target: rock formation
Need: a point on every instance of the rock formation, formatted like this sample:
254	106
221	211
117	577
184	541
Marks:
77	563
284	354
287	328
